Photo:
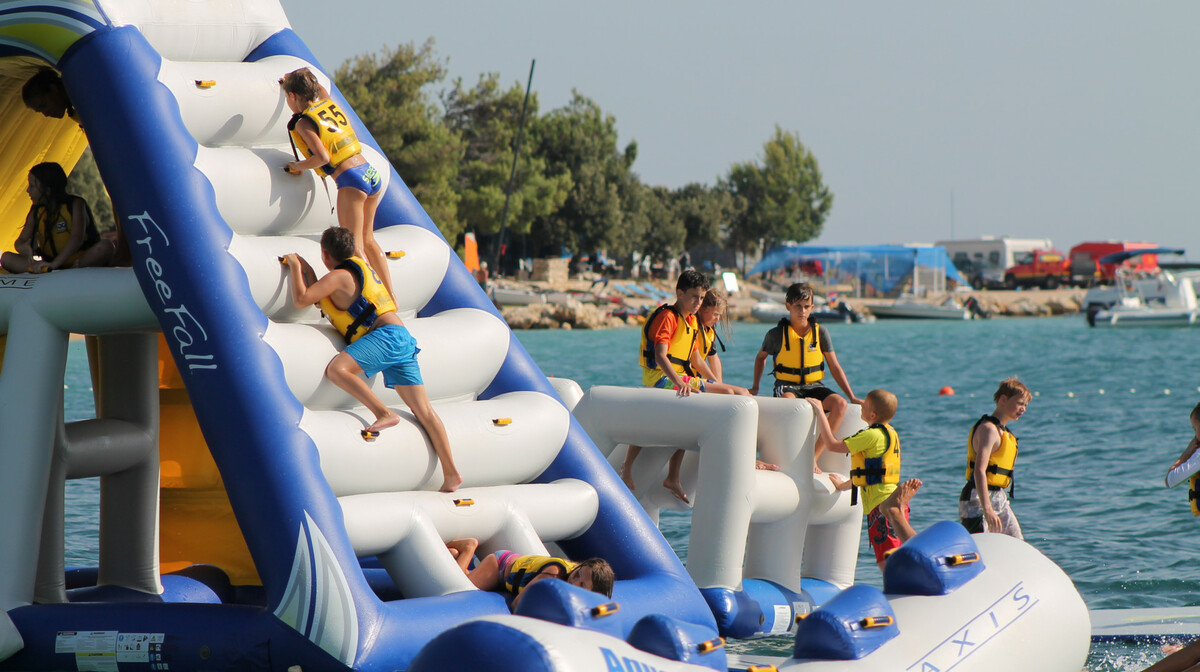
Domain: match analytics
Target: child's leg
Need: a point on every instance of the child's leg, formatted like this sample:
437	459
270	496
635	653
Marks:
463	550
631	454
835	407
417	401
345	372
893	509
375	255
723	388
14	263
356	212
671	483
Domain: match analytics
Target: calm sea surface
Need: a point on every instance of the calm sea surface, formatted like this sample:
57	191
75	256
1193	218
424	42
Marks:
1110	414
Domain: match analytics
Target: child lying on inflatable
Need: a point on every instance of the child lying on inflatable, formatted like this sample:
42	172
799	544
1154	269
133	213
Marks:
513	572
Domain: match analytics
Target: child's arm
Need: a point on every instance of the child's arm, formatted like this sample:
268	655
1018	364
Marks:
839	483
702	368
306	289
835	370
825	440
760	361
986	439
320	155
78	227
660	358
714	365
24	244
1187	455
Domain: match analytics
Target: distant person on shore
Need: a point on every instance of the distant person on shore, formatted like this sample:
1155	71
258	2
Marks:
481	274
1186	467
355	301
991	461
513	572
59	231
801	348
875	470
321	132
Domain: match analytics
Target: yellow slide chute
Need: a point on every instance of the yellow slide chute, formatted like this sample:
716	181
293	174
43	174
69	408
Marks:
27	139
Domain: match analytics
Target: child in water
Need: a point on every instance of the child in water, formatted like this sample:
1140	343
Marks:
322	133
59	231
1186	466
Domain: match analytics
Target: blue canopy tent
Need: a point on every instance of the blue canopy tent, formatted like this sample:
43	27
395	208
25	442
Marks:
880	266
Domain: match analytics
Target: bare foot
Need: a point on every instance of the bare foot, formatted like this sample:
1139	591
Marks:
627	476
765	466
817	470
451	483
389	420
676	489
1171	648
907	490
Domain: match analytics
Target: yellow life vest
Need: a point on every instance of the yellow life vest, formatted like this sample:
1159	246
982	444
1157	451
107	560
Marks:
333	128
709	340
799	360
1194	494
679	350
371	301
54	233
877	470
526	567
1000	462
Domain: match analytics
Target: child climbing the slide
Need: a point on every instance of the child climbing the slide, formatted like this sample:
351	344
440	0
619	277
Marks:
1187	467
59	231
874	469
354	299
322	133
513	572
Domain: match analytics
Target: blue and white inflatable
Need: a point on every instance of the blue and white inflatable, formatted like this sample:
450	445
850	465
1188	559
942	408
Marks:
245	524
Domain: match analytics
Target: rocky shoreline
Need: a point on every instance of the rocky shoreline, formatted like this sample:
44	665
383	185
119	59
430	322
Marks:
575	306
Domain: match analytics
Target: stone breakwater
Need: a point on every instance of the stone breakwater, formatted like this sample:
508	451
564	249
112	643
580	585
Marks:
575	314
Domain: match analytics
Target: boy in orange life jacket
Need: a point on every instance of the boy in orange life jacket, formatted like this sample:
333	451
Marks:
801	348
875	469
322	134
354	299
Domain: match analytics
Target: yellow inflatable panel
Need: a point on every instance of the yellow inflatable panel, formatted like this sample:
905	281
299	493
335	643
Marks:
197	521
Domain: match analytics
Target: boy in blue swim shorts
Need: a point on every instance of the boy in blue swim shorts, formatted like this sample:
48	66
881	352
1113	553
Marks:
322	133
355	300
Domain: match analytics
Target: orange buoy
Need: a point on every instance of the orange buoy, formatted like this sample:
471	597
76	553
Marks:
946	391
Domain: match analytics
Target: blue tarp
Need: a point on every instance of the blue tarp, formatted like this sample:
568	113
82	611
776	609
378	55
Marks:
880	266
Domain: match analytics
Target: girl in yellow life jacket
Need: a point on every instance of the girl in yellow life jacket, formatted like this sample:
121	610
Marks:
59	231
321	131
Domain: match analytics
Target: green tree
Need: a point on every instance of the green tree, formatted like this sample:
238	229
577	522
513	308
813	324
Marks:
85	181
488	120
784	196
705	212
580	140
388	92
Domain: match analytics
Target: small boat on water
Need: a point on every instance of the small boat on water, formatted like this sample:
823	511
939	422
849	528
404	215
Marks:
1162	300
508	296
909	307
774	311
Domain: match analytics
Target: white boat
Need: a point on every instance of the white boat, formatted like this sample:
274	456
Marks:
773	311
506	296
909	307
1177	310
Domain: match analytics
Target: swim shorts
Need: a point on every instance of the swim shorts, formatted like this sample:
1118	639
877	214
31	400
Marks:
881	535
971	515
811	391
664	383
391	349
363	177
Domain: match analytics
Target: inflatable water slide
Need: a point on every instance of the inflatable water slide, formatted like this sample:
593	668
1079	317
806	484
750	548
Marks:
244	521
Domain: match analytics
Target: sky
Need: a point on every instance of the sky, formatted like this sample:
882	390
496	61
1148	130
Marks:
1071	120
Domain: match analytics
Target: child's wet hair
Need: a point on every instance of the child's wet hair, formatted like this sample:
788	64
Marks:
798	291
1011	387
884	404
690	279
1195	413
303	83
602	575
338	242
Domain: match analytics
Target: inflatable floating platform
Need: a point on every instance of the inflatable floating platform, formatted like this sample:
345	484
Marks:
246	524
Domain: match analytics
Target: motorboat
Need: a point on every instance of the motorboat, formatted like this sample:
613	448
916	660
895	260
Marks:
774	311
910	307
1162	300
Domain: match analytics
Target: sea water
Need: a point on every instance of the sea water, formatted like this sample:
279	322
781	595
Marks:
1110	414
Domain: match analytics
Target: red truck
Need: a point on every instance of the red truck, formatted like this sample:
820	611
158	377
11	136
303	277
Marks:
1047	268
1086	268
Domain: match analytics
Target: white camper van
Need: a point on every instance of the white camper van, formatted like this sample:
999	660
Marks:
984	260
